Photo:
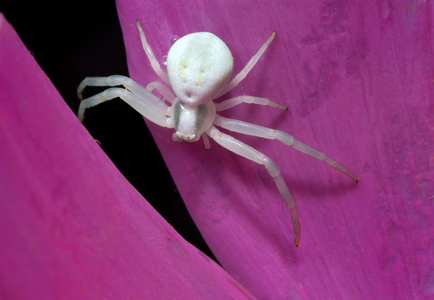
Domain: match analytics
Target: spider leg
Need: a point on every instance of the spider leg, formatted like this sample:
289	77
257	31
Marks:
144	105
243	73
229	103
206	142
128	83
148	50
248	152
163	90
286	138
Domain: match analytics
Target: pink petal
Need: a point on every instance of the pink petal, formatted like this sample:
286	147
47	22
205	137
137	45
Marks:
71	226
358	80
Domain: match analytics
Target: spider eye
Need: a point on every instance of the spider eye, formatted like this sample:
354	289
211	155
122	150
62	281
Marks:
187	138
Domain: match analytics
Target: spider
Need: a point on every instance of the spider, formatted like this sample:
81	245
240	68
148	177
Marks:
199	68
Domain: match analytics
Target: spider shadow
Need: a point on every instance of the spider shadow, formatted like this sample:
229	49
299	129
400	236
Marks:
321	188
262	186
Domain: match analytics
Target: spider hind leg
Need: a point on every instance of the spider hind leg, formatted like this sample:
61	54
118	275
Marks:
248	152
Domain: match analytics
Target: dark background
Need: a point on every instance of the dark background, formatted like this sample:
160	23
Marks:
75	39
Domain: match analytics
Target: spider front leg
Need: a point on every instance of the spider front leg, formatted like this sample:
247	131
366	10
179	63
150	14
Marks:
128	83
243	73
229	103
148	50
248	152
162	90
286	138
146	105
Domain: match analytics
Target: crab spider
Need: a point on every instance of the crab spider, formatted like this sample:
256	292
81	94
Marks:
199	68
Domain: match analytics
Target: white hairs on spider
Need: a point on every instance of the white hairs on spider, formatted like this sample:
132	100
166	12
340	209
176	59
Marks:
199	68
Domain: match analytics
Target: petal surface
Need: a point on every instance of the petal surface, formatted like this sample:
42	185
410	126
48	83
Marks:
358	81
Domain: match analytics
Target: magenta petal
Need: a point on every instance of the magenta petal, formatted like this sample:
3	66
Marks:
71	226
358	80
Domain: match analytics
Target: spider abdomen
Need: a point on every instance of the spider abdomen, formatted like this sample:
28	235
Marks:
199	65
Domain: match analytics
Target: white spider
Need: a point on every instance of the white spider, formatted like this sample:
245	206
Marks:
199	66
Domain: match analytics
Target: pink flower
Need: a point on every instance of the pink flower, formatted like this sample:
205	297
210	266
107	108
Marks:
358	81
